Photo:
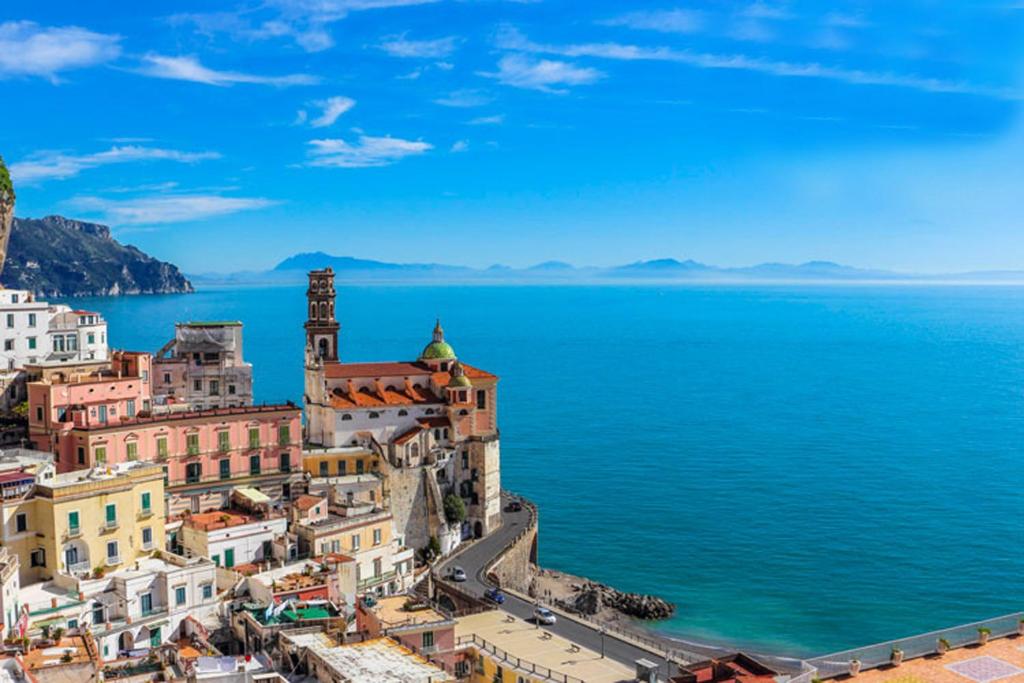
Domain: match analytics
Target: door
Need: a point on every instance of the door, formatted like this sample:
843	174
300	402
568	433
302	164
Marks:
70	557
229	557
154	637
146	601
103	414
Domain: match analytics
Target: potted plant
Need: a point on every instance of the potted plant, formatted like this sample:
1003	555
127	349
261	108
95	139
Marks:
57	634
943	646
897	656
854	667
983	635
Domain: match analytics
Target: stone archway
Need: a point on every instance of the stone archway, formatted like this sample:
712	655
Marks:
446	603
126	641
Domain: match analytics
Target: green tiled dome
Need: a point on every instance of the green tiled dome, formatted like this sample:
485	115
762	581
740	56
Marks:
438	350
459	382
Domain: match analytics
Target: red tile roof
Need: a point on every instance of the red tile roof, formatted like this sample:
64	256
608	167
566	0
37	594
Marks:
218	519
381	396
307	502
407	436
432	422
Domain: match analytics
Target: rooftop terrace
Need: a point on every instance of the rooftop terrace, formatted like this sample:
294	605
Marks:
1001	660
374	661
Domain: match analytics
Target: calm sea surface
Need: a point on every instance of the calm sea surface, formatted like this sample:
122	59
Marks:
799	469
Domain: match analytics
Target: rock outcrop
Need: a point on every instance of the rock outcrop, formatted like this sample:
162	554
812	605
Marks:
590	598
61	257
6	210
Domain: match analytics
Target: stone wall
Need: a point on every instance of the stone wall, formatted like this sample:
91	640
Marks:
515	568
409	505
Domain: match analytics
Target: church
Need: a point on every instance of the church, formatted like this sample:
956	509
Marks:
436	414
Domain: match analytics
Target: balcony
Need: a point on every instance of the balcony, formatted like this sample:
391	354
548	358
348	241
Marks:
109	525
72	532
79	568
374	580
145	513
113	560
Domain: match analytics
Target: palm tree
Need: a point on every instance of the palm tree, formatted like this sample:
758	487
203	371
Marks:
6	210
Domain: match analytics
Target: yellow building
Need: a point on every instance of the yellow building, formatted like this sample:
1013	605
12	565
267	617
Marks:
340	462
86	522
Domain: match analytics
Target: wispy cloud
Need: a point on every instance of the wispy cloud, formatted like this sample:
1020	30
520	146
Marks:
459	146
495	120
663	21
173	208
546	75
465	98
331	109
46	165
400	46
28	49
367	152
188	68
512	39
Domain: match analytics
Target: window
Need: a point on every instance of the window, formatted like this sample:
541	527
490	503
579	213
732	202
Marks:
8	344
286	462
161	446
167	378
103	413
112	554
207	591
229	557
403	412
284	435
131	450
214	387
111	517
146	502
14	298
155	639
346	417
10	320
224	441
216	559
374	415
225	468
38	558
98	614
31	343
355	541
197	385
146	603
179	595
73	526
342	468
192	444
254	464
91	338
129	407
101	455
147	538
21	522
31	319
193	473
428	639
39	413
462	669
231	389
81	455
360	467
376	536
254	437
323	467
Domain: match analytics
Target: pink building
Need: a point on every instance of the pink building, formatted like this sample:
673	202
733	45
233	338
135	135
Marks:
59	403
425	630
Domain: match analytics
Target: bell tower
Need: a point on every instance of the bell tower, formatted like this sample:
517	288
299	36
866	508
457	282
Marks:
321	326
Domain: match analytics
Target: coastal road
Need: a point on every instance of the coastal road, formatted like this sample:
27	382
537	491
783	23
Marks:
477	556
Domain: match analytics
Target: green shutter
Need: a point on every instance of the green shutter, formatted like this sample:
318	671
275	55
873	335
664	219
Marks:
284	436
111	514
145	501
229	557
73	520
161	447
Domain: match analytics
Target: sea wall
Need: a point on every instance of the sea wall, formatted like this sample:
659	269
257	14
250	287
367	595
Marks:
516	566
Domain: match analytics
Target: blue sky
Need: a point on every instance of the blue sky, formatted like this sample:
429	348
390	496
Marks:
226	136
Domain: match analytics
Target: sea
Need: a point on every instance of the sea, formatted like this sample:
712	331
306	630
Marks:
800	469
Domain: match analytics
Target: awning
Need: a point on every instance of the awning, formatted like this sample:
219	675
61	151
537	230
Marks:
253	495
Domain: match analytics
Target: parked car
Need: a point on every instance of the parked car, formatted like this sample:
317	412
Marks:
458	574
515	506
542	615
494	595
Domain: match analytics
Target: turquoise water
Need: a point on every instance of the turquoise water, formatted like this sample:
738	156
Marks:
799	469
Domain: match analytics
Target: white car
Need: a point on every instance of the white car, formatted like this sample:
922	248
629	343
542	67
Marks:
458	574
543	615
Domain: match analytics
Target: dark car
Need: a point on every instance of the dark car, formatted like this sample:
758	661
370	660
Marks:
515	506
494	595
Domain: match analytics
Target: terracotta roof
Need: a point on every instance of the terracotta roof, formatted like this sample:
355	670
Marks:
443	378
218	519
374	370
432	422
381	396
307	502
407	436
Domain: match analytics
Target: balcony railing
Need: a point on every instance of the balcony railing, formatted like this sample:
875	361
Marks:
79	567
109	525
145	512
113	560
374	580
73	532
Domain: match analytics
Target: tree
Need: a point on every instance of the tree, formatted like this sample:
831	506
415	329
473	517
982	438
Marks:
433	548
454	509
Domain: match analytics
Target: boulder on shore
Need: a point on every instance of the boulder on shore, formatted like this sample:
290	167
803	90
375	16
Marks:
591	597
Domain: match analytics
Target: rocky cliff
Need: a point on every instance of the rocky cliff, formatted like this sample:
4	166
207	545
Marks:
57	256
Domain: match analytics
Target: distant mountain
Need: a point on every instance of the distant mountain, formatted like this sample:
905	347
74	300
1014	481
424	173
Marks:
347	268
56	256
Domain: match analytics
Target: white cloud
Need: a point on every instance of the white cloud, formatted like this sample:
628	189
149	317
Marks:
465	98
168	208
49	165
400	46
367	152
495	120
331	109
521	71
664	21
763	10
188	68
512	39
460	146
28	49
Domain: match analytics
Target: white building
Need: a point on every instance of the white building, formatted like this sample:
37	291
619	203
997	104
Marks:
9	589
203	367
231	538
34	332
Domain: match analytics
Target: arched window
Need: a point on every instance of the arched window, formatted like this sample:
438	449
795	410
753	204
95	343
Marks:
374	415
323	310
346	417
445	432
323	285
463	412
437	434
403	412
429	411
312	311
